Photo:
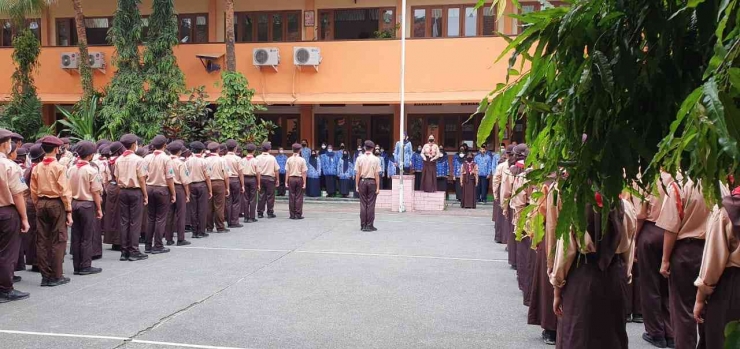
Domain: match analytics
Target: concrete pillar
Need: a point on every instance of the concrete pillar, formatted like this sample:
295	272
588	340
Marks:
510	27
212	20
310	33
307	125
399	20
46	27
48	114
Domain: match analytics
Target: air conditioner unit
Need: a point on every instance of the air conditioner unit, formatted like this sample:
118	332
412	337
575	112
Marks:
310	56
69	60
266	56
97	60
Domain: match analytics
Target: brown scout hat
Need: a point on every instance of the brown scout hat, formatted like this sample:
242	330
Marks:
128	140
52	141
251	147
297	147
5	133
213	147
174	147
36	152
369	144
231	144
266	146
159	141
16	137
115	147
85	148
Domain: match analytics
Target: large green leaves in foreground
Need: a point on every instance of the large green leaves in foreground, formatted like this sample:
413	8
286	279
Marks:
603	82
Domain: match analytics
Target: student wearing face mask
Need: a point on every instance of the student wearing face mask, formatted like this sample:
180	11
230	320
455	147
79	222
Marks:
469	182
313	176
305	150
443	171
358	152
430	154
282	160
417	164
483	160
391	169
404	148
346	174
381	171
329	171
323	148
457	163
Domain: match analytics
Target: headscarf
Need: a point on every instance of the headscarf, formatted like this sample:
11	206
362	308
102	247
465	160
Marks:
312	160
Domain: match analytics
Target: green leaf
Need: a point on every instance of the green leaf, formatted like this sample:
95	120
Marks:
734	74
694	3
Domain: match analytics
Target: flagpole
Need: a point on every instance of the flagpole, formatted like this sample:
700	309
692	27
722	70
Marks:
401	207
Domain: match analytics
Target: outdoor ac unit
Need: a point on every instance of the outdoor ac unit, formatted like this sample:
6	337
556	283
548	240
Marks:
69	60
266	56
97	60
310	56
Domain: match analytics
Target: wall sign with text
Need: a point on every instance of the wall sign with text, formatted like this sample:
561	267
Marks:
309	18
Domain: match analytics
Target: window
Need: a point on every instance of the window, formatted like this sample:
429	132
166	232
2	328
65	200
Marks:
450	130
353	130
528	7
192	28
452	21
95	28
274	26
287	131
353	24
6	39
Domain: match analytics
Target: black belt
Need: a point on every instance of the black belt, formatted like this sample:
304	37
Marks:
132	188
250	176
368	179
217	180
73	200
296	176
48	198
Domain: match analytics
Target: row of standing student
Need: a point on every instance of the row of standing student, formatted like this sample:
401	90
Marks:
665	258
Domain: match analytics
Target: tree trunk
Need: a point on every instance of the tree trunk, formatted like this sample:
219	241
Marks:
86	77
230	49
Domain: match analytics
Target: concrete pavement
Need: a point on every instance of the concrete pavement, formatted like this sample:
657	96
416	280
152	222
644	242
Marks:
422	281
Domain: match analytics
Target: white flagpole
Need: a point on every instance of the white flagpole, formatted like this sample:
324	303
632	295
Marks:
401	207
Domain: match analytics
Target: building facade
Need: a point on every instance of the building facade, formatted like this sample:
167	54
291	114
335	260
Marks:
352	95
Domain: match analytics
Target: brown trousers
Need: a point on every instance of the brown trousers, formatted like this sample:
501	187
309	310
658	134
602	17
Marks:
27	250
250	197
511	243
634	302
112	215
216	206
685	264
367	202
234	202
199	206
542	296
653	286
83	229
295	198
10	228
267	195
51	239
157	210
723	307
97	238
176	215
131	205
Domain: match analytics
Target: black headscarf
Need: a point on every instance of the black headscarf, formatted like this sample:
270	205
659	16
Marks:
345	159
312	160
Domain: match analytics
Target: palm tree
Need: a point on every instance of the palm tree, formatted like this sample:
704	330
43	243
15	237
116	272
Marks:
230	49
19	10
86	78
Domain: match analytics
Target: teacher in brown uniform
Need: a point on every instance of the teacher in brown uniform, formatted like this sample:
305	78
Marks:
131	173
87	189
430	153
160	187
200	188
53	200
296	171
14	219
367	181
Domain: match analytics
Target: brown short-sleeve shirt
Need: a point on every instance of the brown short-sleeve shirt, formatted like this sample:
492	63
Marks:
49	180
129	167
267	165
232	160
367	166
181	171
684	211
219	168
160	169
721	251
198	168
295	166
249	166
13	183
84	180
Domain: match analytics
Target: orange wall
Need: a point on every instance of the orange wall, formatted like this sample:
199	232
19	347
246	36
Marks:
351	71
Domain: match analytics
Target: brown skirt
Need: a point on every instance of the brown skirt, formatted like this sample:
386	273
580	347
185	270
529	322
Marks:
511	242
497	227
112	216
723	306
593	307
468	189
429	177
541	294
501	223
525	258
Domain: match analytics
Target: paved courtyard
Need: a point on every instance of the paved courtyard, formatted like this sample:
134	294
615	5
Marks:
421	281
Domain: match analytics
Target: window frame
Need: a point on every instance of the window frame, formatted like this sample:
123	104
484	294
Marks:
445	20
332	25
194	20
281	121
73	30
13	32
442	121
238	22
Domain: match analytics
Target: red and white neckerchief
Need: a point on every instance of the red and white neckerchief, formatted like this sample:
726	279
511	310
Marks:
198	155
736	191
679	202
112	160
520	164
81	163
157	152
48	161
470	167
127	153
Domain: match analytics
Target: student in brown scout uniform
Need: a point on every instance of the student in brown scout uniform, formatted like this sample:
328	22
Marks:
367	181
13	219
200	188
542	292
130	171
142	152
102	165
220	187
86	188
589	285
112	214
178	210
430	153
249	167
468	182
684	219
269	179
53	200
36	155
236	184
160	186
295	171
719	276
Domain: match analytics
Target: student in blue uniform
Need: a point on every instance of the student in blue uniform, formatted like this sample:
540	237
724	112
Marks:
305	150
346	173
457	163
418	165
358	152
391	167
483	160
443	171
329	171
282	159
376	152
313	177
406	148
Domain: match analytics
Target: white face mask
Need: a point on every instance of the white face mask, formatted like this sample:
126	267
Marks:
330	150
323	147
462	155
281	151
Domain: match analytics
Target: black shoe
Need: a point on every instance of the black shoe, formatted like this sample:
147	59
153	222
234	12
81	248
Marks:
512	267
670	342
271	215
205	235
13	295
170	243
35	269
246	220
160	250
95	258
371	228
221	231
196	236
124	256
292	217
17	279
254	220
183	243
210	230
629	318
259	215
88	271
637	318
148	250
115	248
549	337
235	225
299	217
188	229
45	282
58	282
656	342
142	240
137	257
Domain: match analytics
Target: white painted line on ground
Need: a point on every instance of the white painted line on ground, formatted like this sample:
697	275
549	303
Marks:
230	249
403	256
118	339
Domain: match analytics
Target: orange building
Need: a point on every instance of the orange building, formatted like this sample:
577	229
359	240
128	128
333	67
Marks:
351	95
